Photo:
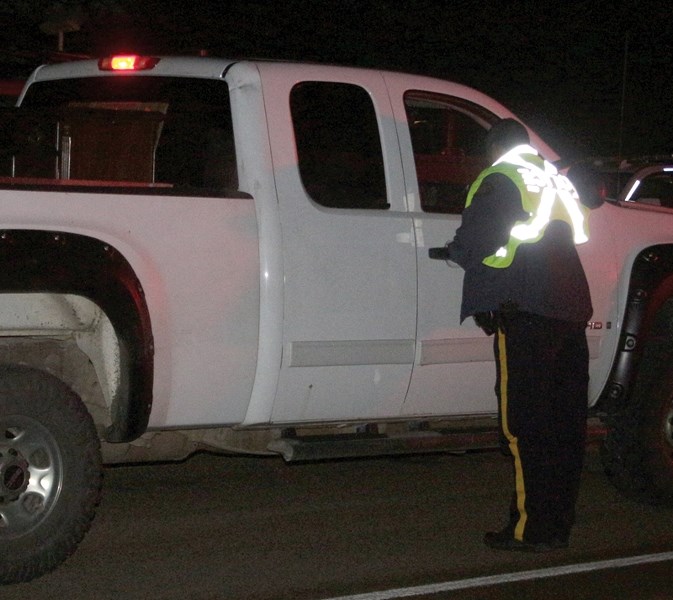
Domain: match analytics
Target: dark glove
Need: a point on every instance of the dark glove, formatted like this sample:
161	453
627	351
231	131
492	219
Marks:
439	253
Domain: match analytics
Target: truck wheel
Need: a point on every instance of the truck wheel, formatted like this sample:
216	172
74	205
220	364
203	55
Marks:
50	472
638	450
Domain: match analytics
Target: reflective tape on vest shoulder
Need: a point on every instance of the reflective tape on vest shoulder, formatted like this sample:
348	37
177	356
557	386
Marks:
546	195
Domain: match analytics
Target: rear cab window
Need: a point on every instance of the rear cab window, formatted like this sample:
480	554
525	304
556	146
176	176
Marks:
173	134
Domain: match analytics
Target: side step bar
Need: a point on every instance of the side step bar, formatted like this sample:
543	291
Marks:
298	448
321	447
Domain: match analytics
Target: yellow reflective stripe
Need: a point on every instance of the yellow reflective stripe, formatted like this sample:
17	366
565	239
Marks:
513	440
546	195
532	229
577	217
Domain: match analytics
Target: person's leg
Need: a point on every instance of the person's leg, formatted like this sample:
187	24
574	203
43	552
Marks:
524	353
571	383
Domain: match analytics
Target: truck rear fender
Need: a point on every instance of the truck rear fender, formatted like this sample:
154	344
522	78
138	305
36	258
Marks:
50	262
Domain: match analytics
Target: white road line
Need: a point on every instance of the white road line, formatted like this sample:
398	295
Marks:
462	584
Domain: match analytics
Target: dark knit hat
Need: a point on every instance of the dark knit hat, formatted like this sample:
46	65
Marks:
507	133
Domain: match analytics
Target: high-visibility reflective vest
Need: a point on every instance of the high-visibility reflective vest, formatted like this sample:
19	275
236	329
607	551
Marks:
546	195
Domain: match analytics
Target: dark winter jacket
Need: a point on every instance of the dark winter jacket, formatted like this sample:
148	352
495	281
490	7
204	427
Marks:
546	278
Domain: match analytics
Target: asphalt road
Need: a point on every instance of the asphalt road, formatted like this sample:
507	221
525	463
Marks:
233	528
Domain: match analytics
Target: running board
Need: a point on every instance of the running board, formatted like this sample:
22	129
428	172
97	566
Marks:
297	448
322	447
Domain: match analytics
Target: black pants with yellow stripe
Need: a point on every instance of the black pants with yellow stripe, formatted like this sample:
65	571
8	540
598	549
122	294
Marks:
542	387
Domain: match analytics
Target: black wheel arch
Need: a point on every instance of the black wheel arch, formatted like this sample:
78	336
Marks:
68	263
650	289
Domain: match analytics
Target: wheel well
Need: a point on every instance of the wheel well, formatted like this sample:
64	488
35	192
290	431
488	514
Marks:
42	274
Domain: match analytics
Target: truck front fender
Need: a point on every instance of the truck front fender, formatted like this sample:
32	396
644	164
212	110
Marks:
650	286
55	262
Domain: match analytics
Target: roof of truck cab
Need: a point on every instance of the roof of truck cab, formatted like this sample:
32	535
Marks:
174	66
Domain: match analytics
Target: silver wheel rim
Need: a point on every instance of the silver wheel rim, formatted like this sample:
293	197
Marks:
31	474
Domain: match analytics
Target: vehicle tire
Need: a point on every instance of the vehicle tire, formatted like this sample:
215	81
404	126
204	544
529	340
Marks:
50	472
638	449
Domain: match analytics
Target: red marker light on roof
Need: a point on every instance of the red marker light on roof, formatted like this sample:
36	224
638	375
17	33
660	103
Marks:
127	62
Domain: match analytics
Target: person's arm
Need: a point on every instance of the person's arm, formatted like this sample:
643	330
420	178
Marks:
487	222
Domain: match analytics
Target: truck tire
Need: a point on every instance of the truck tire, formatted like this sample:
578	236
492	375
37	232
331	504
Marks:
50	472
638	450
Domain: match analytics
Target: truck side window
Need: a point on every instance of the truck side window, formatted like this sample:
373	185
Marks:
338	145
447	136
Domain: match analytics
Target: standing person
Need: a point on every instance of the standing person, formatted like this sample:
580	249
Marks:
525	283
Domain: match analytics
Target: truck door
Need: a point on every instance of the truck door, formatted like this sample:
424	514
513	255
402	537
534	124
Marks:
349	261
441	137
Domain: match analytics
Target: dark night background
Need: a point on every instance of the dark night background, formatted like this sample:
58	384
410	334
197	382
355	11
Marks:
592	77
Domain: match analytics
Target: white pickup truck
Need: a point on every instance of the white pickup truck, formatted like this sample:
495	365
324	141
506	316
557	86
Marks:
233	255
